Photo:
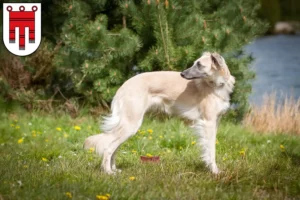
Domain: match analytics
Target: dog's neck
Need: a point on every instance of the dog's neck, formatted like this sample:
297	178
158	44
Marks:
223	92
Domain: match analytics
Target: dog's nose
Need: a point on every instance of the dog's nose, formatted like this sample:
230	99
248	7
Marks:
182	74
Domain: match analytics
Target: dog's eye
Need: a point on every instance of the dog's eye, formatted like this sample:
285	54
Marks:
199	64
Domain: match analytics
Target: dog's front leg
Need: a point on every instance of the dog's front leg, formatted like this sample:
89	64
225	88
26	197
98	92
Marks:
208	132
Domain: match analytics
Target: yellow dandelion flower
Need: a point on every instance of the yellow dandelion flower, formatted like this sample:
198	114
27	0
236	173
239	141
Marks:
134	151
217	142
33	135
161	137
149	155
44	159
132	178
25	166
17	127
77	128
66	135
193	142
150	131
46	140
282	148
102	197
91	150
242	152
58	128
20	141
12	125
68	194
150	137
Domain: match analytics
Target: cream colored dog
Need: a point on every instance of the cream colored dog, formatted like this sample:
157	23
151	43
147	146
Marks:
200	94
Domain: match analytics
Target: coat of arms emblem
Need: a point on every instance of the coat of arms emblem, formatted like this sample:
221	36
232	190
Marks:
22	27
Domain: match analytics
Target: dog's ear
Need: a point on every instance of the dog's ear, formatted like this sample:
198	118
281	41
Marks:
218	60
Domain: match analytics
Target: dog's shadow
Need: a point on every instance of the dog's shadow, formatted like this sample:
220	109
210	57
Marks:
197	166
124	165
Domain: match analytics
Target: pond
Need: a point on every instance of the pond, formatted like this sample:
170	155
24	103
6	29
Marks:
277	66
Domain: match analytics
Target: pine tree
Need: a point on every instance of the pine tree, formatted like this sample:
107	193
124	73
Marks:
98	59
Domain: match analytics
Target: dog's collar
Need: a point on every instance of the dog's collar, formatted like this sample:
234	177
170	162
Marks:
224	99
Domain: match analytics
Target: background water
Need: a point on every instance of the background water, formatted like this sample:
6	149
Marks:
277	66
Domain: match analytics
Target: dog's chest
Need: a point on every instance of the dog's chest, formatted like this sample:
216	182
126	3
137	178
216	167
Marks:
222	107
189	112
195	112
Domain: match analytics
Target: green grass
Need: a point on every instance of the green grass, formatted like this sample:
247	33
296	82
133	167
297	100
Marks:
266	171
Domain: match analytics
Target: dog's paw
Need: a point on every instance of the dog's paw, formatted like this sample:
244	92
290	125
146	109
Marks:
215	170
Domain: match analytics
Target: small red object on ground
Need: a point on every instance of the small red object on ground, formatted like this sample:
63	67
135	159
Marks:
150	159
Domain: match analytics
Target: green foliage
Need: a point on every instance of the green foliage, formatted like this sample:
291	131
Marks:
97	58
100	44
105	43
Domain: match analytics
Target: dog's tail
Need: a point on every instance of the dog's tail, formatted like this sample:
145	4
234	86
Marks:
109	128
112	121
99	142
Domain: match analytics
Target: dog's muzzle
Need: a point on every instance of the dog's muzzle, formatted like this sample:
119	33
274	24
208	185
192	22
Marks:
182	75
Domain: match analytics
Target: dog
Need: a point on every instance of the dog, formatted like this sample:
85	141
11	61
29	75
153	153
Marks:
200	93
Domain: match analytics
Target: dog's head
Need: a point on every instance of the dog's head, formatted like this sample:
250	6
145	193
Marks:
210	67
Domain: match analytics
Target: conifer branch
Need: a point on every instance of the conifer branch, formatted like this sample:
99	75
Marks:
81	80
124	21
168	58
164	42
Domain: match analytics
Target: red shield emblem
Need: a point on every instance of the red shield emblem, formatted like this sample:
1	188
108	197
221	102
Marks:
22	27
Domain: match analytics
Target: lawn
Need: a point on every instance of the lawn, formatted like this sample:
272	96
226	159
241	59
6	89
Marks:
41	157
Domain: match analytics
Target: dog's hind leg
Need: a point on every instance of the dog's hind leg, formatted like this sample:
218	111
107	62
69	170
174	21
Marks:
108	162
113	162
126	129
